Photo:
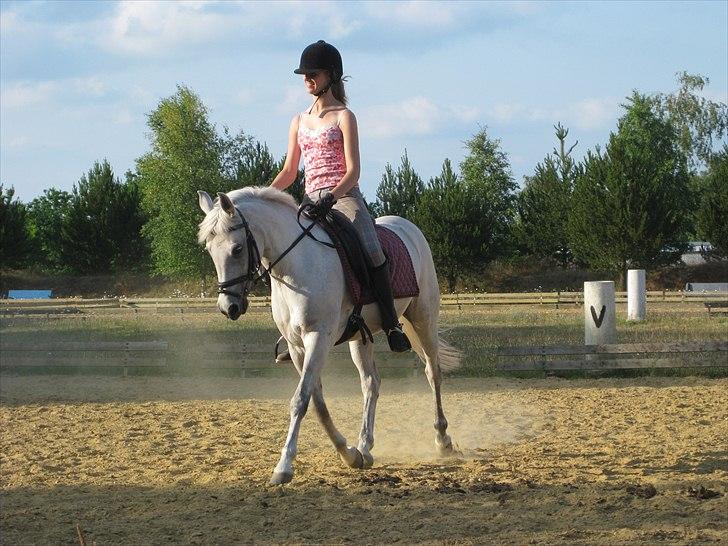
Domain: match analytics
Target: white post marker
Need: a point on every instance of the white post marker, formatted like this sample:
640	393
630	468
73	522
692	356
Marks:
636	295
600	325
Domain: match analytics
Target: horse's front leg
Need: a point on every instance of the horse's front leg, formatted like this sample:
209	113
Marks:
363	357
316	345
349	455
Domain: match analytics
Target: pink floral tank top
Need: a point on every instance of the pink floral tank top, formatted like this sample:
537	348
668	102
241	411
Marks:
323	156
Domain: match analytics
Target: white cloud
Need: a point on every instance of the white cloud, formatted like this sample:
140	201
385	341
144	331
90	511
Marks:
590	114
587	114
244	97
413	116
16	142
504	113
152	27
341	26
21	94
419	13
92	86
294	100
122	117
9	21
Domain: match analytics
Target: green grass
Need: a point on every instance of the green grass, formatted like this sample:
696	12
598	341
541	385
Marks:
477	331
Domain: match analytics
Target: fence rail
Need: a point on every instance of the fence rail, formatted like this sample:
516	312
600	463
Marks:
702	354
71	306
246	358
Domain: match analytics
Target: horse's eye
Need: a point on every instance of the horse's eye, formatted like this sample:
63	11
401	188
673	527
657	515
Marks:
237	249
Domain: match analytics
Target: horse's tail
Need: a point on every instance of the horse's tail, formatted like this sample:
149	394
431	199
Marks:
448	356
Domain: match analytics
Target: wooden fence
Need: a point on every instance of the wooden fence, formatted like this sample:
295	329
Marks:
76	306
247	359
614	357
72	354
243	358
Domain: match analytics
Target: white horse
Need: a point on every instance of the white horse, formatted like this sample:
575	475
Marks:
311	304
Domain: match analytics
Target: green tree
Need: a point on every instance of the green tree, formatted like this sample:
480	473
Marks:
100	229
131	248
255	165
186	155
15	243
46	217
713	209
449	213
399	191
630	204
697	120
543	204
486	172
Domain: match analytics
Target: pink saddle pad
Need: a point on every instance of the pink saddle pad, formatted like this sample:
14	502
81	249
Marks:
401	273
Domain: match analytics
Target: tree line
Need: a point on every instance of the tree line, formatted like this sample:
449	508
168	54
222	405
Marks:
660	180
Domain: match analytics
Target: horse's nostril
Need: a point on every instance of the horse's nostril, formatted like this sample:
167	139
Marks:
233	310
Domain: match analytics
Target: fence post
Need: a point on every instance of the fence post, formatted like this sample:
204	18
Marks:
636	296
600	326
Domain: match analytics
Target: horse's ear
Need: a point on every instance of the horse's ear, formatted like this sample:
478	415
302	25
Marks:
226	204
205	201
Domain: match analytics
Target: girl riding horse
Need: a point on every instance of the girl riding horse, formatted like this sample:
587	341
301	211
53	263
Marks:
326	136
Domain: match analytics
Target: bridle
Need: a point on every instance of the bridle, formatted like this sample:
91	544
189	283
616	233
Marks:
256	270
254	264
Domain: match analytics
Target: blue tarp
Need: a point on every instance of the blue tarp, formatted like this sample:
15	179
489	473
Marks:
29	294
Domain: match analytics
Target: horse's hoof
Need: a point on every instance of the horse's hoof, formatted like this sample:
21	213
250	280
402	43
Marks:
279	478
368	460
352	458
445	447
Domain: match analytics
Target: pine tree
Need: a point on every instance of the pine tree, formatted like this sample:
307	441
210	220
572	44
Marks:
15	244
629	208
399	191
486	172
713	209
449	214
543	204
46	217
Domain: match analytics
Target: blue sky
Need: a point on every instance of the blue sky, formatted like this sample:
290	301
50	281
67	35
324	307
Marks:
78	78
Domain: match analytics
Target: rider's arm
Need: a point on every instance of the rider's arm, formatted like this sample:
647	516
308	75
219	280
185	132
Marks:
348	127
290	168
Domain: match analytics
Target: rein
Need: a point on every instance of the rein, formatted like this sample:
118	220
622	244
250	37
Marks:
254	274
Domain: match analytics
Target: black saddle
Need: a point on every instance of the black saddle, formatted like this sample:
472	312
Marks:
347	242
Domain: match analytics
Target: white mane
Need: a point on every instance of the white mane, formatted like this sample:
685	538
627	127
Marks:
217	221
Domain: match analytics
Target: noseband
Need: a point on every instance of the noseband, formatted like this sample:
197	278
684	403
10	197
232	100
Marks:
255	266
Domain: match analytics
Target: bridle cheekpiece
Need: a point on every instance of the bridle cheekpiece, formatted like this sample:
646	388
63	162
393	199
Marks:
254	264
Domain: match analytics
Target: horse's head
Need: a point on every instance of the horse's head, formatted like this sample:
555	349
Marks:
227	238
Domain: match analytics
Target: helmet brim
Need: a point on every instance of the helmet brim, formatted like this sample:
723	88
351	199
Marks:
308	70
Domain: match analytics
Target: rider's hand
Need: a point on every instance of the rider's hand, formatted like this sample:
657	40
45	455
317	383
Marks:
321	207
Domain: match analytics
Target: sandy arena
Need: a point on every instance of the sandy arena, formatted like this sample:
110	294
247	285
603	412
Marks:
187	461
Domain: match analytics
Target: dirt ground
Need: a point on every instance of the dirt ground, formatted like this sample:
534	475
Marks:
152	460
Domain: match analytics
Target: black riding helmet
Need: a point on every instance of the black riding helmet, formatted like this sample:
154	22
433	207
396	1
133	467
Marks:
321	56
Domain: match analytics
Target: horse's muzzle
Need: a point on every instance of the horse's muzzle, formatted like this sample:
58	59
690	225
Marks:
234	310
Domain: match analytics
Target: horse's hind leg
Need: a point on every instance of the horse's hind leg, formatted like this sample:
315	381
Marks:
363	357
421	329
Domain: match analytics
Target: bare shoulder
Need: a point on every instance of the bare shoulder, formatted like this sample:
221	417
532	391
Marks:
295	121
347	117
